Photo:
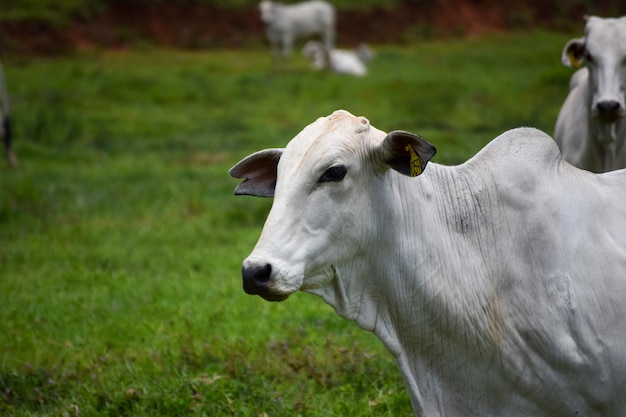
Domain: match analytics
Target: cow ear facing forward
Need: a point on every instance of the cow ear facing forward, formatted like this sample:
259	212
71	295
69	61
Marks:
573	53
406	152
259	171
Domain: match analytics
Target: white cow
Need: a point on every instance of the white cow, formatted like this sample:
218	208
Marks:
590	129
285	23
342	61
5	123
499	285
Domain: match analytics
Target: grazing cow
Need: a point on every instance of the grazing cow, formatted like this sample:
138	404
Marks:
498	285
590	129
351	62
5	125
286	22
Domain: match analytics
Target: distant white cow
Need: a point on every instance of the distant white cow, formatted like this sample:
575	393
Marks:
351	62
499	285
285	23
590	129
5	124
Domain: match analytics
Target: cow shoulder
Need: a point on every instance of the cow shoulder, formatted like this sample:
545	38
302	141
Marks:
526	149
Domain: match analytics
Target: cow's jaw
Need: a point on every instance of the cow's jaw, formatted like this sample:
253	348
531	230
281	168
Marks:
288	257
268	278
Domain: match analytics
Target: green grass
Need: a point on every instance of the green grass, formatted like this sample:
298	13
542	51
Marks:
121	242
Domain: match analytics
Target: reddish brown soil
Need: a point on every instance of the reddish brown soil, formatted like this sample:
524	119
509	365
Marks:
199	26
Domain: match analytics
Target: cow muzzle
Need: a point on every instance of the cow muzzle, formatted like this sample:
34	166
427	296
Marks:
609	111
257	281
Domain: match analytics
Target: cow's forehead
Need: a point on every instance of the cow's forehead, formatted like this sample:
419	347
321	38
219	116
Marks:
604	33
331	135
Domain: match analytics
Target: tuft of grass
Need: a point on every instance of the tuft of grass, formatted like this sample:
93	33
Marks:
121	242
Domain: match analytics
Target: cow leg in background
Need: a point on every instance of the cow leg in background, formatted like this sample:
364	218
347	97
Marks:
8	142
287	43
5	127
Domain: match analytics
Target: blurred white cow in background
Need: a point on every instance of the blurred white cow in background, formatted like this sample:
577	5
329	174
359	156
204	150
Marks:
284	23
341	61
5	125
590	129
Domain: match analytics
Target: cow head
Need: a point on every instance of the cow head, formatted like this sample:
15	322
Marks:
322	218
603	48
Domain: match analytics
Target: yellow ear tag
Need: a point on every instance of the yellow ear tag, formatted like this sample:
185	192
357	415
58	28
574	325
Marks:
416	164
572	59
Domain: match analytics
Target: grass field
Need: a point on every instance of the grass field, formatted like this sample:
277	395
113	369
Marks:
121	242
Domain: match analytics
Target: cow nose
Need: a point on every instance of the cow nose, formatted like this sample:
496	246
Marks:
255	278
609	110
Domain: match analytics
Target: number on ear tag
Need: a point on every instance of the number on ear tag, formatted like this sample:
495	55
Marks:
416	164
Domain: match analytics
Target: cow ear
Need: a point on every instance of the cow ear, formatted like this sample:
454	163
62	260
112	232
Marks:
406	152
259	173
573	53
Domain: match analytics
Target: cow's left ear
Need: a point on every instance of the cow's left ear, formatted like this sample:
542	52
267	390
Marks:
260	171
573	53
406	152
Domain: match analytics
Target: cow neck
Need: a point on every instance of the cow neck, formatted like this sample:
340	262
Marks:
441	239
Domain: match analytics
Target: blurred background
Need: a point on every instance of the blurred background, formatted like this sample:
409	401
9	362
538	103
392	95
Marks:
51	26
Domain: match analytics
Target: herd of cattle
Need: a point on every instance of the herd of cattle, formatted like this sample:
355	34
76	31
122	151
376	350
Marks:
499	285
285	23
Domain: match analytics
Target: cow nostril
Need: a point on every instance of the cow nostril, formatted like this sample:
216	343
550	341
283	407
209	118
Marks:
263	273
258	274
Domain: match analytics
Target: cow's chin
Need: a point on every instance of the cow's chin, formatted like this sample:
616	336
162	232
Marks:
274	297
610	118
266	294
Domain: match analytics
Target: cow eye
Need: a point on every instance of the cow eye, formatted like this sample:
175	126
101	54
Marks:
333	174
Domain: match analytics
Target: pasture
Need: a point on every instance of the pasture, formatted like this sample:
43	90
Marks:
121	242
